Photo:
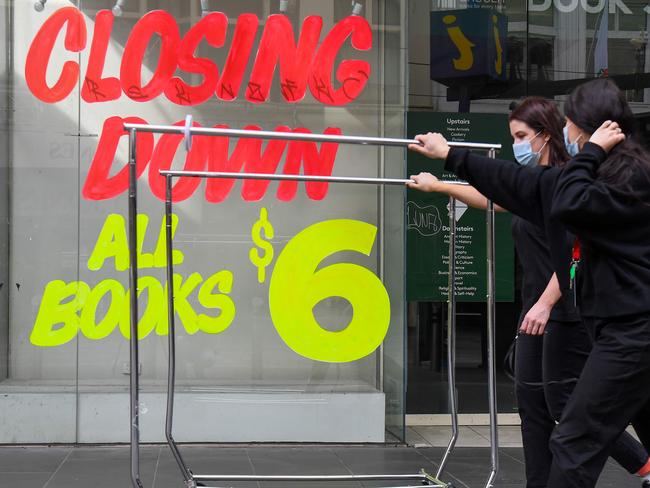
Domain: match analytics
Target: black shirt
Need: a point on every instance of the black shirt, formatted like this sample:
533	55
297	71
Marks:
537	269
525	191
614	232
614	229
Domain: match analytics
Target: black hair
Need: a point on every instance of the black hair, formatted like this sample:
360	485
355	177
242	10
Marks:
591	104
542	115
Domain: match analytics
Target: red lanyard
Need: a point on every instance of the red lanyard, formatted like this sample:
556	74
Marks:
576	250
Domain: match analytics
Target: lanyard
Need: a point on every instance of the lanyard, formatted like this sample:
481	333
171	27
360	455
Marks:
575	261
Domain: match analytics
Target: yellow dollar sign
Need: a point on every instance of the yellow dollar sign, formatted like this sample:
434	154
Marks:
263	260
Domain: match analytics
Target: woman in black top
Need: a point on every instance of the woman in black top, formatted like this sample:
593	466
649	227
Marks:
552	345
604	199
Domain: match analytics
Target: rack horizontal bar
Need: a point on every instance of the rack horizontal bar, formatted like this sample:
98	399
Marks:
406	486
351	477
276	177
422	484
293	136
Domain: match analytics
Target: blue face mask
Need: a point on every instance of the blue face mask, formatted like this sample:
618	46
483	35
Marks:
524	153
571	147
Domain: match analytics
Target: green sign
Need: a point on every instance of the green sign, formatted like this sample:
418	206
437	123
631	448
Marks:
428	218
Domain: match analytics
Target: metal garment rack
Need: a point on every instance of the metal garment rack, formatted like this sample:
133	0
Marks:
191	480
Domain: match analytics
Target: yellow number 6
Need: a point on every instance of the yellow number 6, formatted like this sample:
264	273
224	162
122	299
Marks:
296	288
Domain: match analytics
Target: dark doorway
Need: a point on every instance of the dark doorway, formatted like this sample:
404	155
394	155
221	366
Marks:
427	357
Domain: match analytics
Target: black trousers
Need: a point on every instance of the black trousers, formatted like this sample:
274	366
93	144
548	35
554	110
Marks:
613	390
547	371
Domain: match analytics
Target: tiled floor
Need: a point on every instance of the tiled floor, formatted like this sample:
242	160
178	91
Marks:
474	436
108	467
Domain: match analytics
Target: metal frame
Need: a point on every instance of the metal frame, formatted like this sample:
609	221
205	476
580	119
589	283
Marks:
451	337
192	480
491	318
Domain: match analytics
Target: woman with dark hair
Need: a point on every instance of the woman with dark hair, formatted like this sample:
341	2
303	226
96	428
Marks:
603	197
527	192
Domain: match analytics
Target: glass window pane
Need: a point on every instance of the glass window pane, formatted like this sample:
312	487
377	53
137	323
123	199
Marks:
284	292
42	152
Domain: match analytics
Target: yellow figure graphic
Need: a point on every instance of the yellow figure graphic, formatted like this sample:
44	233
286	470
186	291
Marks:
466	59
498	62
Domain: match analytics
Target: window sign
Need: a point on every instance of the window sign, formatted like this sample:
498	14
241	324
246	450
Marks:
428	220
304	64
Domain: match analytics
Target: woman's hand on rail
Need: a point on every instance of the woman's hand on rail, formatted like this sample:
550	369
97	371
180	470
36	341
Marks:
607	135
433	145
425	182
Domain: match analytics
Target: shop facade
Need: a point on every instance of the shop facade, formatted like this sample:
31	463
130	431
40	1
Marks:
74	71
